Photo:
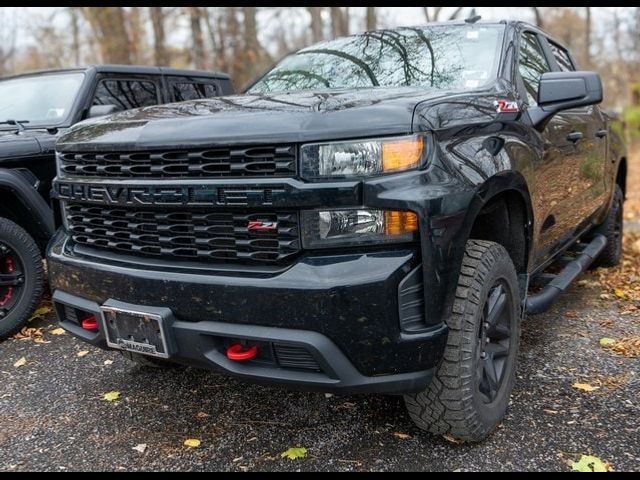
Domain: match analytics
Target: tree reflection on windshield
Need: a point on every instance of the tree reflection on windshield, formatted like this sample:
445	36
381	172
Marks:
442	58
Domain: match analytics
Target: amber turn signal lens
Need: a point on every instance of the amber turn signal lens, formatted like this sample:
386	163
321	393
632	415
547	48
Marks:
400	155
400	223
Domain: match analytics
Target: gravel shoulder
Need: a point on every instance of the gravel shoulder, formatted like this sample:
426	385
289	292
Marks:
52	415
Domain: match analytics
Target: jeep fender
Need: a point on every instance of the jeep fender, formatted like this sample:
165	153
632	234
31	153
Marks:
38	220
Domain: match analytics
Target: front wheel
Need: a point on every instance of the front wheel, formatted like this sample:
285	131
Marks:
21	277
470	393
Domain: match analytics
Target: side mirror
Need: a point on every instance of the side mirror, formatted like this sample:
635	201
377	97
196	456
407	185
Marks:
561	91
102	111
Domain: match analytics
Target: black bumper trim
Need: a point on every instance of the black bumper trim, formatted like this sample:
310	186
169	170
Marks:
198	344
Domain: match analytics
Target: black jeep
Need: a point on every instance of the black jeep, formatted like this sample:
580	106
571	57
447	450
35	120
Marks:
369	217
34	109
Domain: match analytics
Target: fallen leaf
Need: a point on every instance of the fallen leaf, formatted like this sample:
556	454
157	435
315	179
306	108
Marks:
402	436
636	247
627	347
111	396
57	331
142	447
589	463
30	333
620	293
83	353
550	412
295	453
192	443
585	387
20	363
202	415
108	362
607	342
454	440
41	312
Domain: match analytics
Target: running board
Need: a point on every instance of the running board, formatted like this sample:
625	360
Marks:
541	302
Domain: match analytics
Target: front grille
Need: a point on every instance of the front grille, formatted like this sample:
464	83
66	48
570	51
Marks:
289	356
186	235
269	161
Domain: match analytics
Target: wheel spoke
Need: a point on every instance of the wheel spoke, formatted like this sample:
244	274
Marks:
491	376
11	279
497	303
496	350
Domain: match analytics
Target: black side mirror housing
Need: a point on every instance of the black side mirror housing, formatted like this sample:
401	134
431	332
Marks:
102	111
561	91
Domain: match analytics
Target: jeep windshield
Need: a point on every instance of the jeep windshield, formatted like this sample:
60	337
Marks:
40	100
451	57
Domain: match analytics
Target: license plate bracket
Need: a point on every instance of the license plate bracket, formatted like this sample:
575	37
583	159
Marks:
135	330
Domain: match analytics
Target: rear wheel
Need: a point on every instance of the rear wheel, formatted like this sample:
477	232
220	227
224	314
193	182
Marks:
612	228
21	277
470	392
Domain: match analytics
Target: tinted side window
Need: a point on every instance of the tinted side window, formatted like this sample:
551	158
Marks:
533	64
126	94
562	58
184	91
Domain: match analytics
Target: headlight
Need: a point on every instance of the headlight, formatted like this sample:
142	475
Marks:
332	228
361	158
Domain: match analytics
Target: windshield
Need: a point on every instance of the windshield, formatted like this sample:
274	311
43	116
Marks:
439	57
39	100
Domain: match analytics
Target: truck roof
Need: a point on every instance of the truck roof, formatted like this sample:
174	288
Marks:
127	69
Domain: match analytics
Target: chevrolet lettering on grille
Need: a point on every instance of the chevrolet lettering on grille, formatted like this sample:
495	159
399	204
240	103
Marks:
192	196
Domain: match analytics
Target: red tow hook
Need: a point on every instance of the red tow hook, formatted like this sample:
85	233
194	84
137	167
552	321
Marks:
239	353
90	324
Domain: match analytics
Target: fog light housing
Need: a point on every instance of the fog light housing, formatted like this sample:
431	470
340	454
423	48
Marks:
355	227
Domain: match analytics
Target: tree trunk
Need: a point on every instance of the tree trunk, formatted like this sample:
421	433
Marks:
587	39
339	22
198	55
136	34
372	18
109	27
75	35
252	46
160	53
538	15
216	45
456	13
317	30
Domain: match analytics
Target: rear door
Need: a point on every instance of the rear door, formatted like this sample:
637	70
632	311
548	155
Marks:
183	88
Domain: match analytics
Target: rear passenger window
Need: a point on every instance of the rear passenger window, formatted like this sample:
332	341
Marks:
184	91
126	94
562	58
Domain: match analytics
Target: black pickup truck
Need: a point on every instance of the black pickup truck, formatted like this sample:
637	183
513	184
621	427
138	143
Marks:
35	109
375	214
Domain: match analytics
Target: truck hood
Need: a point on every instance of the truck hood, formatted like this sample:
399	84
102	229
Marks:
14	145
255	119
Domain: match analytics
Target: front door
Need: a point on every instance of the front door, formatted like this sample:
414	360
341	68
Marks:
554	195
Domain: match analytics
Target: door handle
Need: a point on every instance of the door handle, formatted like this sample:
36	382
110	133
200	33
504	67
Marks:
575	137
602	133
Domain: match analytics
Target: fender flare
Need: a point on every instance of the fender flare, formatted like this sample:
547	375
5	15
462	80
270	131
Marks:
40	213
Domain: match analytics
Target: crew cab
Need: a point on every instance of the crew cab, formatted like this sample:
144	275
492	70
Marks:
35	109
375	214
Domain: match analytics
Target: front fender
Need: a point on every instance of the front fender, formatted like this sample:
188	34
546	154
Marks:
39	214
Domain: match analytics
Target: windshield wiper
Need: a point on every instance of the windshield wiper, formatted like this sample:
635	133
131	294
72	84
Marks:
17	123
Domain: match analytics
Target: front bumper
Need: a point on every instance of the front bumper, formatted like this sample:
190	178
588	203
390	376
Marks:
342	310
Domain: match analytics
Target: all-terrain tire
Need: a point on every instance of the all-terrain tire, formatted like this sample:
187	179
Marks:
453	404
20	243
612	228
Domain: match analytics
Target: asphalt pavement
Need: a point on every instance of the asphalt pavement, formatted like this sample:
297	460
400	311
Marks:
53	416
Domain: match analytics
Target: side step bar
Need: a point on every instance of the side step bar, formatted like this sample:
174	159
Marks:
541	302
